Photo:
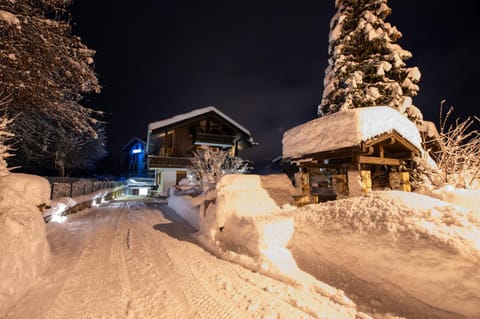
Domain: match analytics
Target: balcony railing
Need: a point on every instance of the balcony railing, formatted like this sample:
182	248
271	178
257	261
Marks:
217	139
168	162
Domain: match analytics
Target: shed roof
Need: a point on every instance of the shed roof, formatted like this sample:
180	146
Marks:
347	129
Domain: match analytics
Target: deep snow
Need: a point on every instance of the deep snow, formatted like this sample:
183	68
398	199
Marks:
386	255
24	249
394	252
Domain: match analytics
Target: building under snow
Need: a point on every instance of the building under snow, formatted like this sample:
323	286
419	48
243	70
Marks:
354	145
170	142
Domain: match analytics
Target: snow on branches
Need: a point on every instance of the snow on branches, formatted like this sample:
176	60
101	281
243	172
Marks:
46	71
210	165
366	66
454	151
458	161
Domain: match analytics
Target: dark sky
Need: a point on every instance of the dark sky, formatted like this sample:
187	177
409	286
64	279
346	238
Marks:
260	62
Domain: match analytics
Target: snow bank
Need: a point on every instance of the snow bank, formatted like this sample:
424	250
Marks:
248	218
59	207
245	215
417	244
347	129
187	208
24	249
462	197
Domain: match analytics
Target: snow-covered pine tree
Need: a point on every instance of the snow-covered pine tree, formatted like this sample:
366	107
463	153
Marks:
366	65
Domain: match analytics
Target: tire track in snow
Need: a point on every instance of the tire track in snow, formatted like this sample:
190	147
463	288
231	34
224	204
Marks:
74	301
117	255
202	299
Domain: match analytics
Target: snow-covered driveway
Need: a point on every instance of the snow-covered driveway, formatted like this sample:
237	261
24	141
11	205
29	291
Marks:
138	259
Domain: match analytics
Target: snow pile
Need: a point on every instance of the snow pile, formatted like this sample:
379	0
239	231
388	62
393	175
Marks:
347	129
8	17
58	207
245	215
187	208
416	244
23	243
461	197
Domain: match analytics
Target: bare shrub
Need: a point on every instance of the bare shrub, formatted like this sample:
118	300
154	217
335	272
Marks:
458	160
210	165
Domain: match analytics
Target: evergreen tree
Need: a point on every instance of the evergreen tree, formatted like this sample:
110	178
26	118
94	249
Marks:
366	65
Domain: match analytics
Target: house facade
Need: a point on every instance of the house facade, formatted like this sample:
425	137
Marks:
136	158
171	142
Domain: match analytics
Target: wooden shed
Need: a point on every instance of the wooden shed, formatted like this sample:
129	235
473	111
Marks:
352	146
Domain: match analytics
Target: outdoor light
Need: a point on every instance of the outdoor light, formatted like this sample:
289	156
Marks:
136	151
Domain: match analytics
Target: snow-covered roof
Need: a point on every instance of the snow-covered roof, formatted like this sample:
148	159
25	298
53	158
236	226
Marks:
347	129
133	140
195	113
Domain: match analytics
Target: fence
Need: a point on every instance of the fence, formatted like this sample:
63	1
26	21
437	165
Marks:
72	187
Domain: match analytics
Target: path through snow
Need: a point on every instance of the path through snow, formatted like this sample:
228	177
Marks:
138	259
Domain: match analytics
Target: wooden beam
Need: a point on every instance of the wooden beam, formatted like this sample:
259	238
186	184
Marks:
378	160
320	165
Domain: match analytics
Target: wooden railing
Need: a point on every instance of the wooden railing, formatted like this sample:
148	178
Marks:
214	139
170	162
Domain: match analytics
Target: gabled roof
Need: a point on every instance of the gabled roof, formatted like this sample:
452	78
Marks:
347	129
132	141
196	113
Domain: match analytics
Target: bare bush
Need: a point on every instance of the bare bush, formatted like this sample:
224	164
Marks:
210	165
458	160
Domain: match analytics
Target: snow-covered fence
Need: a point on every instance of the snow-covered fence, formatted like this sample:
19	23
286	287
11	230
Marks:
72	187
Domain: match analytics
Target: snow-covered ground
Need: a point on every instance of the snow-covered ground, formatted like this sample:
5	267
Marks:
138	259
386	255
393	253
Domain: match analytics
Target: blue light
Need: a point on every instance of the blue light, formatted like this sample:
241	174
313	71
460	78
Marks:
136	151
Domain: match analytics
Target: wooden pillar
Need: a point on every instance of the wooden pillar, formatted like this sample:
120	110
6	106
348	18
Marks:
359	182
400	181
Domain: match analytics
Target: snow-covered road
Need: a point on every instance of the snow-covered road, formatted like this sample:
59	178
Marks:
138	259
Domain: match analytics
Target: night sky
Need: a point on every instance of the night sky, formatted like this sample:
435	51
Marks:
260	62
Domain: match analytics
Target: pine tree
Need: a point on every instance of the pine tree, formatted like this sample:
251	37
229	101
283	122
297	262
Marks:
366	65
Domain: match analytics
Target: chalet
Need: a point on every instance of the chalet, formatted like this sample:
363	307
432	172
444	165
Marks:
170	142
136	159
351	146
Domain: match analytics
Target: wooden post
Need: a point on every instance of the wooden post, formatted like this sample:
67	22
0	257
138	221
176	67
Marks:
400	181
359	182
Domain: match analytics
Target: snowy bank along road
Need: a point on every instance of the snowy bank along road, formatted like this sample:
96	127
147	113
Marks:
138	259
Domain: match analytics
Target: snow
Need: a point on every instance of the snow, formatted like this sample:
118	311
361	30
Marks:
55	211
461	197
8	17
346	129
389	254
23	244
425	248
192	114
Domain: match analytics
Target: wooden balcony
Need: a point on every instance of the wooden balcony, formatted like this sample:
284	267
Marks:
168	162
214	139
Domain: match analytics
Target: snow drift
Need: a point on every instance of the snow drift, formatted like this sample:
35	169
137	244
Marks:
423	246
23	243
